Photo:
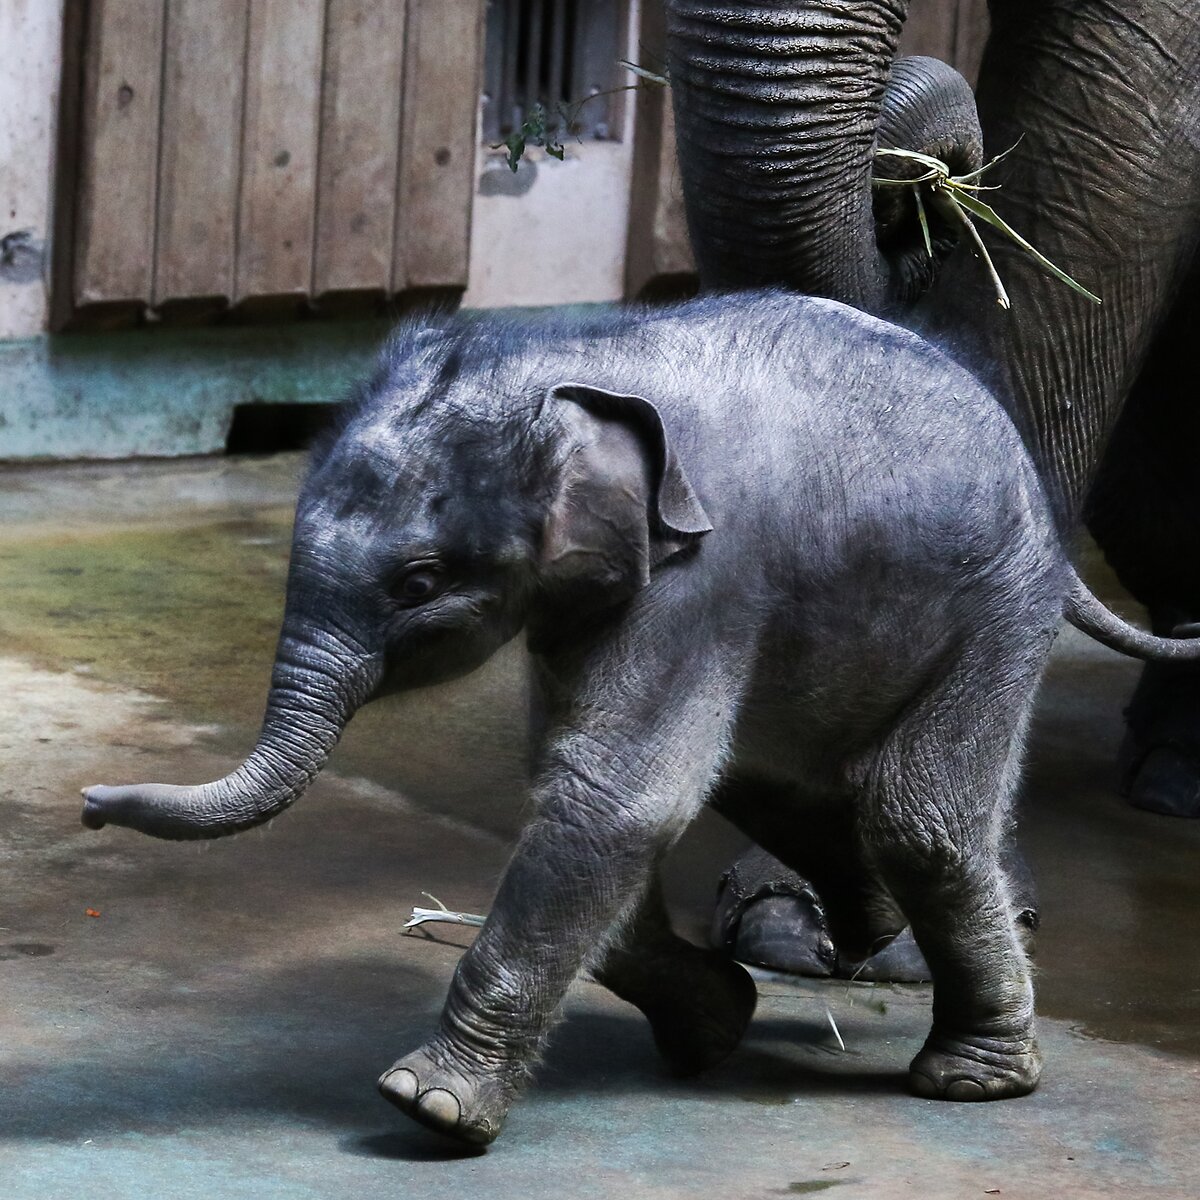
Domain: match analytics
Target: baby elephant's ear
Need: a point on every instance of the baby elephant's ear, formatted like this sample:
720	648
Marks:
623	503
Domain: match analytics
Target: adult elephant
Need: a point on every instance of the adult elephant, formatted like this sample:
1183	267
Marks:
780	106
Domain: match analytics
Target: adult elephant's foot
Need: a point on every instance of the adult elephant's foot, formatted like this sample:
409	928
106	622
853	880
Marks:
1160	757
900	961
698	1002
1161	779
701	1020
769	916
971	1067
429	1086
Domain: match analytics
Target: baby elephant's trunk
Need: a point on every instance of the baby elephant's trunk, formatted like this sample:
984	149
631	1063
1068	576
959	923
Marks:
1088	614
311	699
247	797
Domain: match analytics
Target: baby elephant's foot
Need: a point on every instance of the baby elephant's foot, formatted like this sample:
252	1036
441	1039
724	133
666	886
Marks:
698	1002
701	1023
429	1087
972	1067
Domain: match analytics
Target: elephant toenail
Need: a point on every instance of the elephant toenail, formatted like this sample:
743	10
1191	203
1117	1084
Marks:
399	1083
966	1089
440	1106
922	1086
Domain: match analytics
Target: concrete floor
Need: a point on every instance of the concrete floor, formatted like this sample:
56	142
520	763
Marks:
215	1031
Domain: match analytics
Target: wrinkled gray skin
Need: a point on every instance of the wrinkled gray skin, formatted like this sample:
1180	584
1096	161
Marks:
779	108
770	553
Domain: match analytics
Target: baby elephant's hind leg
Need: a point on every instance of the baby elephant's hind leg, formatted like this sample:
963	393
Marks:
698	1002
933	820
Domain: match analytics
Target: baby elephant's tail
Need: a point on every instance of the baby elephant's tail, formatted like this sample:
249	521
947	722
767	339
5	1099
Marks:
1087	613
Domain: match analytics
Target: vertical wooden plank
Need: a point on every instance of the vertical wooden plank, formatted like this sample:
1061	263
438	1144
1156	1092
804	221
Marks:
360	132
930	29
114	248
68	167
971	37
279	148
509	88
533	50
557	37
658	255
201	135
443	75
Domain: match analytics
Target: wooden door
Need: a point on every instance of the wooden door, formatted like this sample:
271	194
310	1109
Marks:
238	152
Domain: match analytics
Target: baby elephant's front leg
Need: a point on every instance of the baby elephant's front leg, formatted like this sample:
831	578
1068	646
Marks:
607	807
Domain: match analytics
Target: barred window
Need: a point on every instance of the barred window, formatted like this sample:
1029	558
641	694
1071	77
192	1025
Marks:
555	53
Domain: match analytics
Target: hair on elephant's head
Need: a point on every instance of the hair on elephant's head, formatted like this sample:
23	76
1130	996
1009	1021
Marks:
469	490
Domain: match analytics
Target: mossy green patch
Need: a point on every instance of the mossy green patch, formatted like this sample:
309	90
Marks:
190	613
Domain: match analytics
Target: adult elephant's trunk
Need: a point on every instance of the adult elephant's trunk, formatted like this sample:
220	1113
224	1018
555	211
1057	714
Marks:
315	689
779	110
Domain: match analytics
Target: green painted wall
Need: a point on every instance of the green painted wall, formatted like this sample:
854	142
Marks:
166	392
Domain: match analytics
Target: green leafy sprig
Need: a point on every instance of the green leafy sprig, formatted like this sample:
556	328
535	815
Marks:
538	129
535	129
956	198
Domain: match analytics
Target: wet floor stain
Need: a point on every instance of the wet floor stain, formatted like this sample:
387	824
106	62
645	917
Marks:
189	614
16	950
1119	949
768	1099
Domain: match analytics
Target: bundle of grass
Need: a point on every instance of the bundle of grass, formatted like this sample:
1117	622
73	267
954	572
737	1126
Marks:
956	199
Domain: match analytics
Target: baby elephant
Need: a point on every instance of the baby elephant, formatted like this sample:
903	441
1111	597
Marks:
770	554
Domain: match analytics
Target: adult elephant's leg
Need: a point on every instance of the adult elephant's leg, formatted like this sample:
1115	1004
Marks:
779	109
820	908
803	900
769	915
1145	513
697	1001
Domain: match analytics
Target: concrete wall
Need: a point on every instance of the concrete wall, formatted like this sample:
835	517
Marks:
31	37
556	232
553	232
165	392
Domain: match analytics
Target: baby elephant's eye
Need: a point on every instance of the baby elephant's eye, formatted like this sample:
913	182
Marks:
418	585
